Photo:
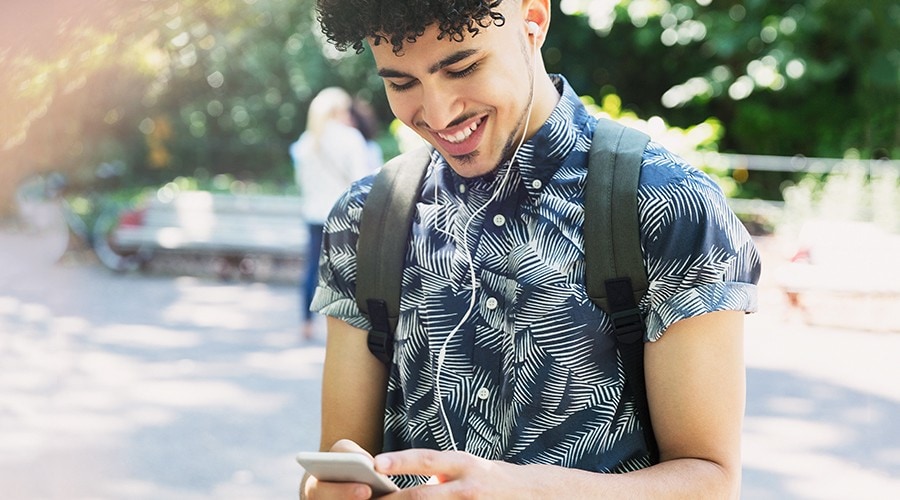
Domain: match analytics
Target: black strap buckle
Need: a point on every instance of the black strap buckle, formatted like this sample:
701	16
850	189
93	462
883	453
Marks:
381	344
628	325
381	336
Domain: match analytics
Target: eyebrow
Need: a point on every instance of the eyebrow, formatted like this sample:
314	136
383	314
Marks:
443	63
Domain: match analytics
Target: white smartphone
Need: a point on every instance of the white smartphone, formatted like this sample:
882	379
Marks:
347	468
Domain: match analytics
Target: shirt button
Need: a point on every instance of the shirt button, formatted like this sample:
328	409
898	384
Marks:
492	303
462	188
536	184
499	220
483	393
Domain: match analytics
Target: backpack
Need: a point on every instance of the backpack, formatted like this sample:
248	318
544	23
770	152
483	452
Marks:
615	284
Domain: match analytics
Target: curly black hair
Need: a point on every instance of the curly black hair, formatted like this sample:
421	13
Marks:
348	23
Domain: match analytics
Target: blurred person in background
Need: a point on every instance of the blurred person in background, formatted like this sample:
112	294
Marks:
329	155
366	122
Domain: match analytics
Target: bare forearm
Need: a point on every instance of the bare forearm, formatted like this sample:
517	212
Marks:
462	475
681	478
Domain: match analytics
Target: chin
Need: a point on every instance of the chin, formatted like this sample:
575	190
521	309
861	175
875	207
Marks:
471	165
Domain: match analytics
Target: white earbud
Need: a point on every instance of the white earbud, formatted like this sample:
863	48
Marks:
533	28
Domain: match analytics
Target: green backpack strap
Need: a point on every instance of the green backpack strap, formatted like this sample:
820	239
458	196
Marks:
615	276
611	213
384	230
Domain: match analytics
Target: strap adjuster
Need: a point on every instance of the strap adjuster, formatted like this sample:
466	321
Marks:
628	325
381	336
381	344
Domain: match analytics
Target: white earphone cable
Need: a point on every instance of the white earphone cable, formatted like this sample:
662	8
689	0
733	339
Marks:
469	260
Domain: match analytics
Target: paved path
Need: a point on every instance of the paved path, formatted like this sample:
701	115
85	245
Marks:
823	405
149	387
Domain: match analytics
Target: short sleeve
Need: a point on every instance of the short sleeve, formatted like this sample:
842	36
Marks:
336	290
699	256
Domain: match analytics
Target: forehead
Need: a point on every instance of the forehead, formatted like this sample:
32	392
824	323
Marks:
427	49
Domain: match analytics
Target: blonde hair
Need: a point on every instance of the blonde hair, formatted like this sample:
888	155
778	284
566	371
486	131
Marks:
331	103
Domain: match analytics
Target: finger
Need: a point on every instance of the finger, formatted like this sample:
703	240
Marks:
423	462
346	445
353	491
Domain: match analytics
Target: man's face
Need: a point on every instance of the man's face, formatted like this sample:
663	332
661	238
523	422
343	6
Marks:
468	99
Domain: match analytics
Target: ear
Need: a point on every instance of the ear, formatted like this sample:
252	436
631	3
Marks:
536	12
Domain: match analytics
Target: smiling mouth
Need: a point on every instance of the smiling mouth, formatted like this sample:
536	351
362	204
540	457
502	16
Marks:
462	134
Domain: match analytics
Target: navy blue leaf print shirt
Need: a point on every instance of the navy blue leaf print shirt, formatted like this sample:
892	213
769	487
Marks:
529	370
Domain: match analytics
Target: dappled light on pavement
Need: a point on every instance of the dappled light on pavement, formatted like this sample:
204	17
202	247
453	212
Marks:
156	386
126	386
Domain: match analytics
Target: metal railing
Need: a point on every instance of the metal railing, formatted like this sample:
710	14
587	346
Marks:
798	163
766	163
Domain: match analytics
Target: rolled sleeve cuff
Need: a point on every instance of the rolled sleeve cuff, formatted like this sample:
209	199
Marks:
329	303
721	296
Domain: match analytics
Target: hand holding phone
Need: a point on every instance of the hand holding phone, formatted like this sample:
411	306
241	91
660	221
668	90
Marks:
346	468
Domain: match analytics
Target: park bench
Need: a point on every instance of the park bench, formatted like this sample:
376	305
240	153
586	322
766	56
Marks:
232	227
844	274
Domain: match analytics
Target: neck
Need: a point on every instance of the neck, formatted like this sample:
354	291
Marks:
546	97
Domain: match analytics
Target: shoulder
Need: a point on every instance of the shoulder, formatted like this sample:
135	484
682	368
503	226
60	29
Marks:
345	135
352	201
299	144
685	216
661	167
668	183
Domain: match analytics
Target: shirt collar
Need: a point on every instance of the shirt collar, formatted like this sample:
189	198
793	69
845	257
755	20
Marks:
543	154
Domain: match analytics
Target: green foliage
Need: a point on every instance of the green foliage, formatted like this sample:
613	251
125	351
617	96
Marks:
198	89
189	88
784	77
810	77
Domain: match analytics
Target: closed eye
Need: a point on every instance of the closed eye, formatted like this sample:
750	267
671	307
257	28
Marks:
400	87
468	70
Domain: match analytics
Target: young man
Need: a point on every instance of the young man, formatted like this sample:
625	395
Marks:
505	381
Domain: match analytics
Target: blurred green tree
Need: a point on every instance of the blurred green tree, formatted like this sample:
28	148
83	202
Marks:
199	88
785	77
188	87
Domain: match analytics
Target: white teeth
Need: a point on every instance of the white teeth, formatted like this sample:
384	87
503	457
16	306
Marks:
461	135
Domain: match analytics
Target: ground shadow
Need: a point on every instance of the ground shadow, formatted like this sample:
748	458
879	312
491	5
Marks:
856	428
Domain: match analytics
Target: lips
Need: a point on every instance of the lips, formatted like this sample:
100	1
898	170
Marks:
462	140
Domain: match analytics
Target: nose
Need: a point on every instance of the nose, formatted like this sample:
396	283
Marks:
440	107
